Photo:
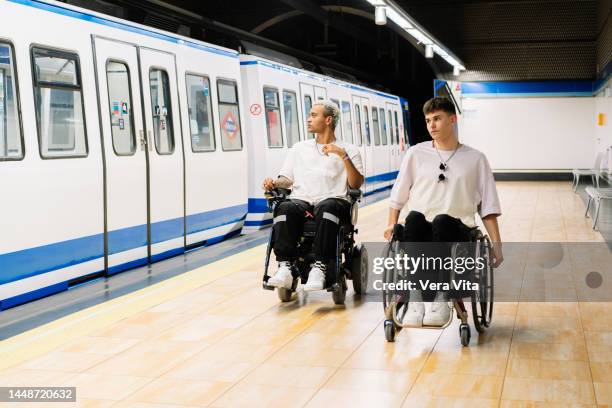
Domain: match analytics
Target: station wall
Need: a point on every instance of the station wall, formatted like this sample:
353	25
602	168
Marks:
531	133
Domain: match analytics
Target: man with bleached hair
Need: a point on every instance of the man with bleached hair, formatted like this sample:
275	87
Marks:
319	172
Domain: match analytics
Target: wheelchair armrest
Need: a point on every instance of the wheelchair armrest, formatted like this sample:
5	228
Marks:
355	194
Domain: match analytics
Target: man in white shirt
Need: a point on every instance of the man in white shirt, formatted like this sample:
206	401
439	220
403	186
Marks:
318	171
444	183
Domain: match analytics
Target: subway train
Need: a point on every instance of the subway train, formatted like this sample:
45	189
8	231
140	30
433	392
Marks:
122	145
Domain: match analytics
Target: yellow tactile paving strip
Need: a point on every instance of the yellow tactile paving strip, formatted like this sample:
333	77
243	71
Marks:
213	337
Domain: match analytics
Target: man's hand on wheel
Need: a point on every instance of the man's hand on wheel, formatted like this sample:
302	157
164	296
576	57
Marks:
497	254
389	232
268	184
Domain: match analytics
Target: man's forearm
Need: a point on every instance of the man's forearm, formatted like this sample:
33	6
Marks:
393	216
355	179
492	227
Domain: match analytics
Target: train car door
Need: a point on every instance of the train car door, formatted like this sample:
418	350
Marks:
395	159
166	184
125	154
360	135
320	93
381	149
307	95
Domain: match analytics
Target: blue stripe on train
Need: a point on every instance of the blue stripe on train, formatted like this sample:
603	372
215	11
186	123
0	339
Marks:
34	261
392	175
61	286
260	205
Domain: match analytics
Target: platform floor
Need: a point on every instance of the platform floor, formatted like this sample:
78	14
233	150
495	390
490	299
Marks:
213	337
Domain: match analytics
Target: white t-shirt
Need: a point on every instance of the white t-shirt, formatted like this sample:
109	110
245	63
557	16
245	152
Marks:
316	176
469	186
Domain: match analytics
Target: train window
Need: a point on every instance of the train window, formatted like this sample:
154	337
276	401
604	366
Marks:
366	122
161	108
375	126
273	119
357	125
200	113
383	126
390	122
307	108
338	131
347	122
229	115
397	136
59	104
120	108
11	140
292	125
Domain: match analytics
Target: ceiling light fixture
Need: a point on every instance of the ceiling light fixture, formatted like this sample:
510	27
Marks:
395	13
380	15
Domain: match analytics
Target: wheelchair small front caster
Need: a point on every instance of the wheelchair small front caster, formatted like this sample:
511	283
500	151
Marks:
339	291
284	294
390	331
464	332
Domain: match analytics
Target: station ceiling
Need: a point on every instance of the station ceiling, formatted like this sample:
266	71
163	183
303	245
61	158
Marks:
498	40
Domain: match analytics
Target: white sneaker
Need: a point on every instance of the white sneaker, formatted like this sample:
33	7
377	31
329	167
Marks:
316	279
414	314
282	278
437	313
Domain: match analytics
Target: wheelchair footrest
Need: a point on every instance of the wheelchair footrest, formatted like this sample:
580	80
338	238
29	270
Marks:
267	287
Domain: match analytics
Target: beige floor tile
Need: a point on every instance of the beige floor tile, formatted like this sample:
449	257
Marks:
458	385
426	401
180	391
264	396
107	387
99	345
464	363
392	382
351	398
544	351
80	403
599	337
288	376
65	361
137	404
151	359
196	368
602	372
20	377
548	336
541	404
548	390
238	353
603	391
549	369
600	353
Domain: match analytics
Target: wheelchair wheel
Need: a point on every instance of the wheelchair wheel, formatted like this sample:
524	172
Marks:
482	300
389	331
359	269
284	294
339	291
464	333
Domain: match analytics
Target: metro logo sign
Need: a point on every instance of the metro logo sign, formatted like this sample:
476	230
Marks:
229	126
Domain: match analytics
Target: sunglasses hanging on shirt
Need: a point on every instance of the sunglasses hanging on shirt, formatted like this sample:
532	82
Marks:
443	163
441	176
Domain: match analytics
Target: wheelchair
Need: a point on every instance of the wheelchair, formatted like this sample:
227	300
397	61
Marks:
350	260
396	304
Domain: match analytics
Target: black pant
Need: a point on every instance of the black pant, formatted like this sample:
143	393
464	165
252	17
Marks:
289	219
444	229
